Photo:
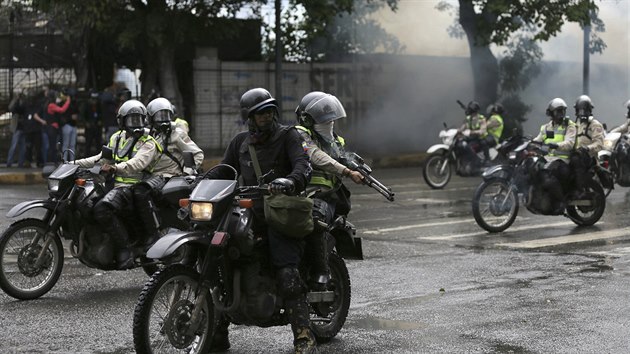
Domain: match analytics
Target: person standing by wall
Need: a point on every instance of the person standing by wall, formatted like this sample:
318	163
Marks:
18	108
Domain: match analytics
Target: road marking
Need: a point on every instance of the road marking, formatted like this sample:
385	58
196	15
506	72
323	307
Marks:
414	226
617	252
516	228
554	241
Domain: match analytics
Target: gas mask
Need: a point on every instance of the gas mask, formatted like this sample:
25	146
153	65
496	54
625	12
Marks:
325	130
558	115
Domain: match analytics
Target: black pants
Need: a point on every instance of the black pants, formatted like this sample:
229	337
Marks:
579	164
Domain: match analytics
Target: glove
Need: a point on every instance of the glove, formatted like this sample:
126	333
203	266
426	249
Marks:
281	185
107	169
552	145
583	150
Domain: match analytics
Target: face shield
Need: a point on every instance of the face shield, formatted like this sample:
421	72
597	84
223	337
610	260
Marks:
264	117
134	122
558	114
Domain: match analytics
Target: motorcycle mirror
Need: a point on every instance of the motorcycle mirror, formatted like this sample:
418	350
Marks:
189	160
107	153
550	134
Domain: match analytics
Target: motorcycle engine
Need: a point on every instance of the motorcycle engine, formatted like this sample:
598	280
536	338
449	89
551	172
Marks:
538	202
98	249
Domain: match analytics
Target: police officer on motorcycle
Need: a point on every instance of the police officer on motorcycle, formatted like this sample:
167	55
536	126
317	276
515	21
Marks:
170	162
625	127
316	115
133	154
494	126
589	141
475	123
559	135
279	148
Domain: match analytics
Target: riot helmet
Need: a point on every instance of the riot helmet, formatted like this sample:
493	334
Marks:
472	108
497	108
160	114
131	117
628	108
259	101
323	112
299	110
557	110
583	107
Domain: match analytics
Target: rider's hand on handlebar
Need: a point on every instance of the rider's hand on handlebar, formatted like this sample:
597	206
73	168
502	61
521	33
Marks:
281	185
552	145
107	169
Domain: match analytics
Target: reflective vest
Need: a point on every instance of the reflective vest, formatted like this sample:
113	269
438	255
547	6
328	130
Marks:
320	177
123	151
496	131
559	131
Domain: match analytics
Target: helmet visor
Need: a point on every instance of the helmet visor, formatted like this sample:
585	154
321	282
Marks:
134	121
162	116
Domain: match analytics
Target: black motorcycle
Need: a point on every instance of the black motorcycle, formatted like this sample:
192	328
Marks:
232	276
496	200
31	249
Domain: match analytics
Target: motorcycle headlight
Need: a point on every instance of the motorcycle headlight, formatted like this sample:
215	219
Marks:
201	211
53	185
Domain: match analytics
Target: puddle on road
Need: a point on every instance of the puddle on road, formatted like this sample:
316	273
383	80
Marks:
384	324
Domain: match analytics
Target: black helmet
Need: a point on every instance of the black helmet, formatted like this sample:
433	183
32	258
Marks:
583	106
256	100
299	110
557	109
628	107
498	108
473	107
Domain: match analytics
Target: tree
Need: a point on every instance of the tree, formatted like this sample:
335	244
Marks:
498	22
331	30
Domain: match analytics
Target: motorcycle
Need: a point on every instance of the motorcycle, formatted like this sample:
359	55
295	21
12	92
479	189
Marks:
615	158
465	155
496	200
232	276
31	249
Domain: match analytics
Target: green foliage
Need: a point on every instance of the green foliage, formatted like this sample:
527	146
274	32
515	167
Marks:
318	30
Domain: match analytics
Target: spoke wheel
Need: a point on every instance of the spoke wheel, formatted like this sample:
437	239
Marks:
494	206
435	173
21	275
588	215
162	317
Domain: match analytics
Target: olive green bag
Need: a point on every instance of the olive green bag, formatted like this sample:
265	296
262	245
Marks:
290	215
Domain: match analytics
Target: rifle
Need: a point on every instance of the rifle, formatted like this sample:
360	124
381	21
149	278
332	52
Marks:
461	105
356	163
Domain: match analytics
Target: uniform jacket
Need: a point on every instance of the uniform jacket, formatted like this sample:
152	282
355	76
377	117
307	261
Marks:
566	129
476	124
320	159
140	160
623	129
590	134
177	143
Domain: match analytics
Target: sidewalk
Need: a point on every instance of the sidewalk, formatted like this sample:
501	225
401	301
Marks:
26	176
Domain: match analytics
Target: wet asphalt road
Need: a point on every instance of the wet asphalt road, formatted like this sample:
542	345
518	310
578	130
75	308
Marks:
432	281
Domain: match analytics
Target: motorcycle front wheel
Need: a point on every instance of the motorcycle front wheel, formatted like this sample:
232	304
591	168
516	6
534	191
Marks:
437	170
162	317
587	215
328	318
494	205
27	269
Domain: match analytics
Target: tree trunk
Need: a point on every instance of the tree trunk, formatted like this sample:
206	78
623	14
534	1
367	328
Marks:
485	68
81	64
168	77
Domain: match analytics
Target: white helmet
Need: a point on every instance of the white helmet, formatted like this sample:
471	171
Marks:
131	116
160	111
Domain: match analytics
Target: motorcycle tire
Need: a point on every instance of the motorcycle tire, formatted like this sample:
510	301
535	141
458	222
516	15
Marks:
494	210
20	277
431	171
164	307
328	327
587	216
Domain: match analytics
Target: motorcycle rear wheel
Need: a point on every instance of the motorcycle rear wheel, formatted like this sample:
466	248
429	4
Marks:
327	327
587	216
20	277
432	174
493	208
162	314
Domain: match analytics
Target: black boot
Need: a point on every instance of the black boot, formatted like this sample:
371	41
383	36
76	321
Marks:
220	340
304	342
317	256
125	259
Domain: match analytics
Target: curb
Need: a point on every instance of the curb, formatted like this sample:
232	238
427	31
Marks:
26	177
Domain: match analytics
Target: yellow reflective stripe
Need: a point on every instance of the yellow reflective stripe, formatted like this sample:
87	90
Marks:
126	180
496	132
322	181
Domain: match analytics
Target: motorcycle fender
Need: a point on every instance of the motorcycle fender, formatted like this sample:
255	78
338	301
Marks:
169	243
348	246
502	171
28	205
437	147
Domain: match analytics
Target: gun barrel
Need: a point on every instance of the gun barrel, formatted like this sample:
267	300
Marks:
379	187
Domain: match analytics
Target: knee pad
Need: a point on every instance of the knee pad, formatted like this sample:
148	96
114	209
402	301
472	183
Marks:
290	283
